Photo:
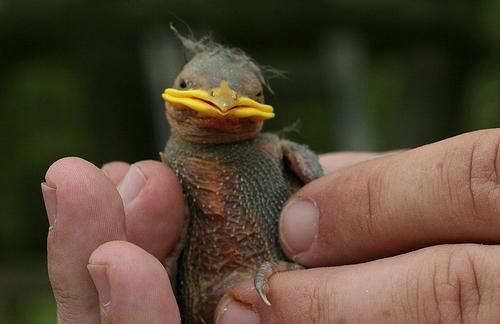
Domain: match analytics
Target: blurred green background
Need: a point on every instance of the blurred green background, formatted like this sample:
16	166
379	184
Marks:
84	78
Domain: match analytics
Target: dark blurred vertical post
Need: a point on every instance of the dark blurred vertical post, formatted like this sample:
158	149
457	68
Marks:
161	61
344	62
432	95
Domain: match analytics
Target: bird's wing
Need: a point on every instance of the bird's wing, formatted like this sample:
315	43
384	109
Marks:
302	161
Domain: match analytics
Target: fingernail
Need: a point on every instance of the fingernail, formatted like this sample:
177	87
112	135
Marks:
235	312
103	169
99	276
50	200
299	225
132	184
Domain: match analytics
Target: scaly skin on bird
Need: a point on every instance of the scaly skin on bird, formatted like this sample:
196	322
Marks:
235	179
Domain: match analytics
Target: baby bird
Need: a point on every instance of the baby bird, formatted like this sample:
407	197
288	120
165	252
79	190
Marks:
235	179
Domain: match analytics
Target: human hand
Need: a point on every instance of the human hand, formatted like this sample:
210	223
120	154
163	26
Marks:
112	230
389	233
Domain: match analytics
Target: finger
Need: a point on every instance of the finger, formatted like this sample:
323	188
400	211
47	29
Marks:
115	171
133	285
154	207
334	162
446	192
442	284
84	211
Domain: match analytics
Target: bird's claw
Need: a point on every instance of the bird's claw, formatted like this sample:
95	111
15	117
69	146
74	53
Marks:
261	290
261	277
266	270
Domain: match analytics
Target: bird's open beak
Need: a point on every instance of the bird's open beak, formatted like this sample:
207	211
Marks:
221	102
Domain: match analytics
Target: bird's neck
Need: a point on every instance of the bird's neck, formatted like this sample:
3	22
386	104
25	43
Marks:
213	130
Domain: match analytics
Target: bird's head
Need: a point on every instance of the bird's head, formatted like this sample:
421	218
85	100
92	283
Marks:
218	97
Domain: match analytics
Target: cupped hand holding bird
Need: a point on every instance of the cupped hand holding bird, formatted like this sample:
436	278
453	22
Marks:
388	238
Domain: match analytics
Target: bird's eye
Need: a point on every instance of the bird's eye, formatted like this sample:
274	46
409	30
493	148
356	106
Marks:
259	94
183	84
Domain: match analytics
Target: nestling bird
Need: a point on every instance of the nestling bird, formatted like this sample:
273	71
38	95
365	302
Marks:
235	179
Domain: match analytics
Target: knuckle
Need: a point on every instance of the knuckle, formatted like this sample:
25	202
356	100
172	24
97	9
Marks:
372	188
62	295
371	183
74	306
377	185
69	307
483	181
322	303
455	287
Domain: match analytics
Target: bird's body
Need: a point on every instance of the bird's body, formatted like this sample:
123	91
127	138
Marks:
234	193
235	180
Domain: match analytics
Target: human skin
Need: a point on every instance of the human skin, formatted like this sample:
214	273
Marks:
384	235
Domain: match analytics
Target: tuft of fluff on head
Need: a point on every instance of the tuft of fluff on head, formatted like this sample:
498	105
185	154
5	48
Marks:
207	45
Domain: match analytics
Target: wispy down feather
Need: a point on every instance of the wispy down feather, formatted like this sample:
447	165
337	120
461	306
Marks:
207	45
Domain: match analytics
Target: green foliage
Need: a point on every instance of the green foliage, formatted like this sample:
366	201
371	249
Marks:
489	11
483	97
44	106
384	92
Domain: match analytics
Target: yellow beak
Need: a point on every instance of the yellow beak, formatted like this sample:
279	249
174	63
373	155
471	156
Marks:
220	102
